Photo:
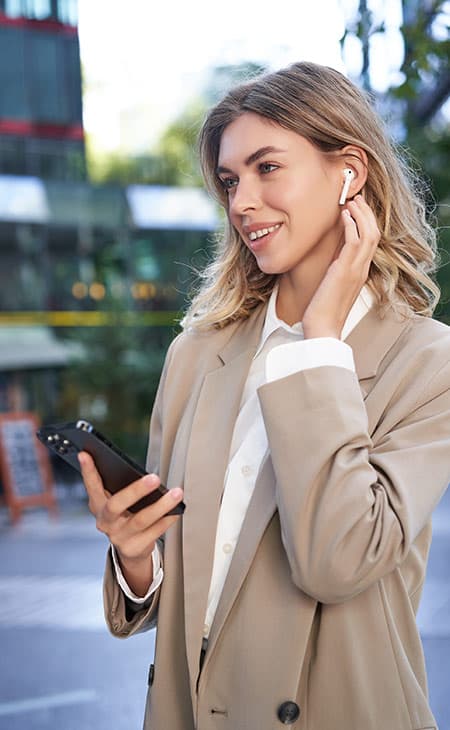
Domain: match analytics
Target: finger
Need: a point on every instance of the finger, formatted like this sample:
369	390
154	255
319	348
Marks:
365	218
359	249
125	498
138	543
149	523
92	480
368	233
156	511
359	219
351	239
350	227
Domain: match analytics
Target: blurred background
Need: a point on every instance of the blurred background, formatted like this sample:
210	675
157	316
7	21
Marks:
103	224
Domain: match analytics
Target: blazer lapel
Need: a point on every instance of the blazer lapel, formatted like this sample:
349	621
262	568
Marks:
207	459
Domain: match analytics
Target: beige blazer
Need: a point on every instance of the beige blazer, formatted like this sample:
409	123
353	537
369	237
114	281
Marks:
319	604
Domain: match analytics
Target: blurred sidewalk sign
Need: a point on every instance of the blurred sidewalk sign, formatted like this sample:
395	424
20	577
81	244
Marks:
24	466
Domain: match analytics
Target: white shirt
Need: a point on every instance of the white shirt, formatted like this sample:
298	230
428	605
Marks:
282	351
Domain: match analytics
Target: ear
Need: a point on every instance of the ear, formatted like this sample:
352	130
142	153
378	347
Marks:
356	159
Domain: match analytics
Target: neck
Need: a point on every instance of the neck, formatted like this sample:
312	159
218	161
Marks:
298	286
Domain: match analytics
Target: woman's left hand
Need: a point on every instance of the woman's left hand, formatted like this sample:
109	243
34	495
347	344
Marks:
328	309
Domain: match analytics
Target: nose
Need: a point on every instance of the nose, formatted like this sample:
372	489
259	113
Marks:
244	197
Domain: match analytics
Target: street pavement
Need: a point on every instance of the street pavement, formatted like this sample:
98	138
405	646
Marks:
60	669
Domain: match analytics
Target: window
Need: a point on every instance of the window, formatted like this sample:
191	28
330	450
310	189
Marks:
13	99
37	9
40	77
13	8
65	11
68	11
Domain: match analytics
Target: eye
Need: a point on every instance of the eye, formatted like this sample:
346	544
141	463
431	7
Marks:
228	182
266	167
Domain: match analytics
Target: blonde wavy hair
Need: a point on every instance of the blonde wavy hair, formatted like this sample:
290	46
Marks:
327	109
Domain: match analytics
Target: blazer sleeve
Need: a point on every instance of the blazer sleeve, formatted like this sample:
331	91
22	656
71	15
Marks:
122	617
350	508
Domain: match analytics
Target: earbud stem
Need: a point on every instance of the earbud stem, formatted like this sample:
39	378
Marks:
345	189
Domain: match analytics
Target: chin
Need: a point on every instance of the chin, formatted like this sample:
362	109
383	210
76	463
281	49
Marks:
271	268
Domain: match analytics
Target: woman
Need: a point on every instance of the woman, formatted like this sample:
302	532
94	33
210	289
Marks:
305	411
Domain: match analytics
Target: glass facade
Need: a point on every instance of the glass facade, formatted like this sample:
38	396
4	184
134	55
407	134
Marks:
46	269
40	75
74	247
44	158
41	129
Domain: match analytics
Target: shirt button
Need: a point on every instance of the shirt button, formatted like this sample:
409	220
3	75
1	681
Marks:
227	548
246	470
206	630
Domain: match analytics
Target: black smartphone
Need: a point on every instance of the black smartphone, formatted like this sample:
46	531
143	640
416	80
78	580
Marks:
116	469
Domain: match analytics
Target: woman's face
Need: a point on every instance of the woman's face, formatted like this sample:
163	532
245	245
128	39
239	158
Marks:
283	194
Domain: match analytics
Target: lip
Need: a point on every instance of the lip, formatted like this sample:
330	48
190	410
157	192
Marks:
259	243
252	227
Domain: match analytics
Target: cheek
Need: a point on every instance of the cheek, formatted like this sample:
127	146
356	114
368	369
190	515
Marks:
314	201
301	191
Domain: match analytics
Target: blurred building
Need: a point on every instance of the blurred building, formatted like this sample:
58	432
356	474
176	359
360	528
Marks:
41	130
72	252
41	135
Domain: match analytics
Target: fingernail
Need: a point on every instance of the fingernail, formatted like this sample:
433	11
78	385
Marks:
346	213
149	480
176	493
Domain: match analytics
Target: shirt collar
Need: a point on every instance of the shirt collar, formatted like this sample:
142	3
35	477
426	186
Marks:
272	322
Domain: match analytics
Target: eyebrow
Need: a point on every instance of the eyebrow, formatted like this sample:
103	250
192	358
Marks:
253	157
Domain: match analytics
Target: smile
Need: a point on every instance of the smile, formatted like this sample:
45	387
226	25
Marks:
263	232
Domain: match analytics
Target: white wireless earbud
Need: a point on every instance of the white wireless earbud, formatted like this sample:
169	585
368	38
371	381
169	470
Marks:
348	175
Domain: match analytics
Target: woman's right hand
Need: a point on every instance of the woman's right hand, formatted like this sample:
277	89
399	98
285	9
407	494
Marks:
133	534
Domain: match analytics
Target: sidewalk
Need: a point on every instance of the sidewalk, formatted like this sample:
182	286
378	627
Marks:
59	666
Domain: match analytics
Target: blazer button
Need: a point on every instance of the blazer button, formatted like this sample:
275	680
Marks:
288	713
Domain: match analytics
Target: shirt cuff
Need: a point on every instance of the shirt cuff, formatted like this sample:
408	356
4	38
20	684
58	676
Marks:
293	357
158	575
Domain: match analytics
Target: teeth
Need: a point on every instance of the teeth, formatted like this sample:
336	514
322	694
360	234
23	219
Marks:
262	232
